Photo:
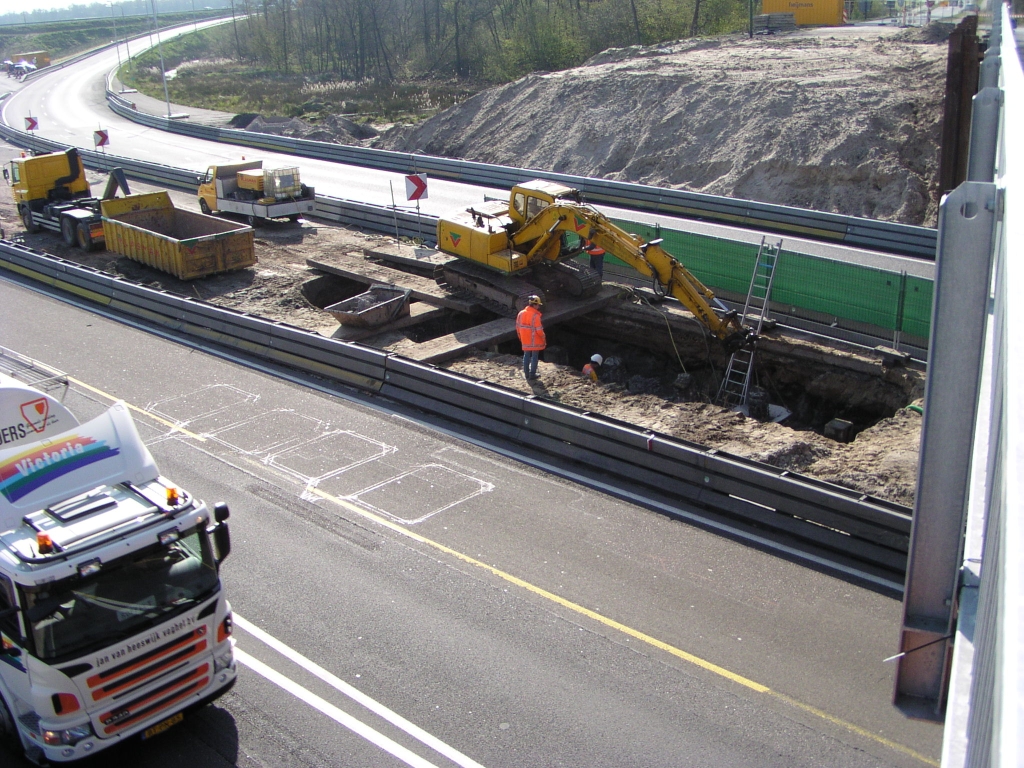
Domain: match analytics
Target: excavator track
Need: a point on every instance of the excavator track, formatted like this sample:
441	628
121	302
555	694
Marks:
502	294
569	278
506	295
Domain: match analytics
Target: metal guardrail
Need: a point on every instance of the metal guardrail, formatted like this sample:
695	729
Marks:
889	237
860	536
370	217
66	62
978	682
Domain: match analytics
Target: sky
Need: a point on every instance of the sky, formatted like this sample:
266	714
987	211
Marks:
17	6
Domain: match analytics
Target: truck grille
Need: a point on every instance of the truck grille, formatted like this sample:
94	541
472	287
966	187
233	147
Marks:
149	704
129	687
143	669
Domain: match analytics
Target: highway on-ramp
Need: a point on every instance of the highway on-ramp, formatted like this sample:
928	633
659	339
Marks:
407	598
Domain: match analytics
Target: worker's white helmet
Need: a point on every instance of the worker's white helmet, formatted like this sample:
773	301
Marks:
596	359
535	300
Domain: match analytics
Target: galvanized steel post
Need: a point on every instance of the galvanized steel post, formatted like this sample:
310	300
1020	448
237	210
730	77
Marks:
962	288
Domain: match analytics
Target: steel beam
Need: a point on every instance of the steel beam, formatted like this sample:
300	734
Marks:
967	219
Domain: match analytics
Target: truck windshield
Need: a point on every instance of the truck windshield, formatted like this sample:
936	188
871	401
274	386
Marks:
76	615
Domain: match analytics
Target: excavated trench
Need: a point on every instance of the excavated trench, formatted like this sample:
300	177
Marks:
678	363
814	393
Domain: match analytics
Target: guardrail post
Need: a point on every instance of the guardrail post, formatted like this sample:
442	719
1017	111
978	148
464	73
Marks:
959	311
981	162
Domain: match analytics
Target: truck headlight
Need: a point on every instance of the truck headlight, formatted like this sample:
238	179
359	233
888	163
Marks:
223	661
69	736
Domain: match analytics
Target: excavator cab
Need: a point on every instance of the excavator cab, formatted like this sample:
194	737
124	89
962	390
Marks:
530	198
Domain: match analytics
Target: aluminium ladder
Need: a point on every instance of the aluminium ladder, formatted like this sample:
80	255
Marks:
736	382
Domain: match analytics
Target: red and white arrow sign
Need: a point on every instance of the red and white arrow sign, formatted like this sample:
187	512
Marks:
416	186
31	124
100	138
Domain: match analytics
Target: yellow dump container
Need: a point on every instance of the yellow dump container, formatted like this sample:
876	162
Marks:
149	229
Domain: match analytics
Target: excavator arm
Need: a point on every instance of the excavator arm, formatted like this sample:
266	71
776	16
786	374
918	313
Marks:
542	234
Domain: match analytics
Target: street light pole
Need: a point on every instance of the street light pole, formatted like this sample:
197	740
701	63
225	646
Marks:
117	43
160	51
127	50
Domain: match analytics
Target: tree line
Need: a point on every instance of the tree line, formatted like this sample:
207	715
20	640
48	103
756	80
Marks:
490	40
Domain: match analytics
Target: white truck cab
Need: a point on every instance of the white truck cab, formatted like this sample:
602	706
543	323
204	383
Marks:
113	620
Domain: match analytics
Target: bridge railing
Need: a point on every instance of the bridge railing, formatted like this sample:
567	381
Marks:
963	629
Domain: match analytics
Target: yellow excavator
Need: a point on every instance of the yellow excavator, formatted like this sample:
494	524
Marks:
509	251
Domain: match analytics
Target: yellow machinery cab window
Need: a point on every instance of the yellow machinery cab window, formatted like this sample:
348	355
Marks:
519	203
535	205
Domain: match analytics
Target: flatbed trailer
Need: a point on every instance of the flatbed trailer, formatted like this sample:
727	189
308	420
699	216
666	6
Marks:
248	189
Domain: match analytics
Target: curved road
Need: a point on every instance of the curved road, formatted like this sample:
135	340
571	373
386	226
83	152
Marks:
70	104
493	615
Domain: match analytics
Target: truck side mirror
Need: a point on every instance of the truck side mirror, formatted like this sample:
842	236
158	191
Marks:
222	541
221	512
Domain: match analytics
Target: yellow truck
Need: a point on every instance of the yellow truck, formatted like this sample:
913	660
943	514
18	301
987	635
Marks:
51	192
257	193
149	229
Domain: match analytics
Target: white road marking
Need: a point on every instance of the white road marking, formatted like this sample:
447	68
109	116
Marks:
356	726
356	695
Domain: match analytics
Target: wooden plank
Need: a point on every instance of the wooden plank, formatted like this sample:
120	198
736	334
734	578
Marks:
355	267
422	260
419	312
503	329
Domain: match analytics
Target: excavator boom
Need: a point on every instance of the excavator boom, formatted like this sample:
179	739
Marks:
544	231
527	240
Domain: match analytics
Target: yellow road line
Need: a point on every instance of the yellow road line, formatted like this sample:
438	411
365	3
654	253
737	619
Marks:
149	414
855	728
568	604
611	623
575	607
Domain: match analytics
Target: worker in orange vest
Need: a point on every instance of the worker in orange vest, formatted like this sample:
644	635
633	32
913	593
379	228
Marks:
531	335
596	256
590	369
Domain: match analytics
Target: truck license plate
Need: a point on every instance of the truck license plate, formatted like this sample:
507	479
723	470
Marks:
163	726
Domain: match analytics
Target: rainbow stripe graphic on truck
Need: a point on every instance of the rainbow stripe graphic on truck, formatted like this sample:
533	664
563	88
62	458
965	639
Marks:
33	469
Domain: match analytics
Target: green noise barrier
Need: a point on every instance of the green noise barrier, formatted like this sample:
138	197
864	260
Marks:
834	291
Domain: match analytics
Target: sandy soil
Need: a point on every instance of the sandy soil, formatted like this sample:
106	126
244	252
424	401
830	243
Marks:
845	120
881	461
842	120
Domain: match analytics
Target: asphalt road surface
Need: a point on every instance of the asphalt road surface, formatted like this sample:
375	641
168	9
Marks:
406	598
